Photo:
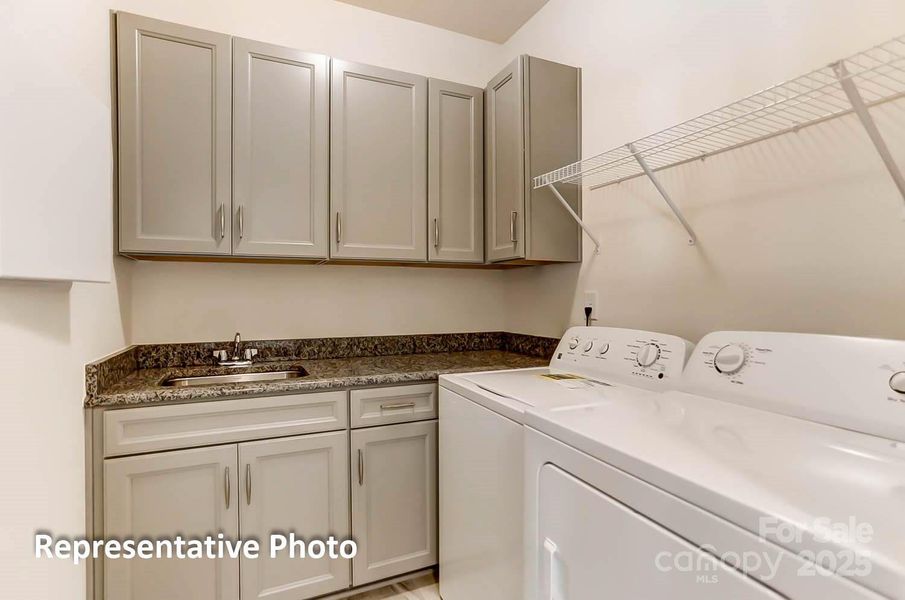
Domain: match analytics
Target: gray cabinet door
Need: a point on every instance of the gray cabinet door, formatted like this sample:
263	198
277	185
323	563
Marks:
300	485
174	138
394	500
192	493
455	176
378	166
280	151
505	164
553	140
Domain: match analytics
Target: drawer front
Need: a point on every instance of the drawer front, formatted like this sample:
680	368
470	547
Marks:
153	428
398	404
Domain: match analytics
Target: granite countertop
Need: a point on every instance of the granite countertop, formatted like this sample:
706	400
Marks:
143	387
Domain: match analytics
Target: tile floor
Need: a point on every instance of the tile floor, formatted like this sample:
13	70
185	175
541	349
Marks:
422	588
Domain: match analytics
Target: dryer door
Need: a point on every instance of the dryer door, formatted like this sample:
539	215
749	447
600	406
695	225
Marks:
594	548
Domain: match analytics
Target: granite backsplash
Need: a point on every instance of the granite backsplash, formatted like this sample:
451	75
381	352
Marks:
102	374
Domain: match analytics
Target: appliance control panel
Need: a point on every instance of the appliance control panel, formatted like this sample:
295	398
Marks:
855	383
640	358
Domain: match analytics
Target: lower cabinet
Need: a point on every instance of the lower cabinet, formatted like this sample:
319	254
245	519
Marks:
188	492
304	482
249	490
394	500
296	485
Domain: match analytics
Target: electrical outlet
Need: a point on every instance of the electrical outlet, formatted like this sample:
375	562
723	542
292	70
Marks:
590	299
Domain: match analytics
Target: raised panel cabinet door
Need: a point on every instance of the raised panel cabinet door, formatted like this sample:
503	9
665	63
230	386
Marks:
455	175
280	151
504	158
394	500
174	105
378	163
299	485
192	493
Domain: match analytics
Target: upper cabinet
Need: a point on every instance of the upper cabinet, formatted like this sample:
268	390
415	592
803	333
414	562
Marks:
236	148
280	151
455	175
378	163
505	168
174	138
532	125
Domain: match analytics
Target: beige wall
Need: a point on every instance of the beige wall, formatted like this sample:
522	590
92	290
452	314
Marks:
181	302
55	62
802	233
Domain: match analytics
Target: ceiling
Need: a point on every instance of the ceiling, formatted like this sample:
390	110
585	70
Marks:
493	20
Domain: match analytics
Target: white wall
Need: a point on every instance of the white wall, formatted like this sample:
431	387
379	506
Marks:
55	68
800	233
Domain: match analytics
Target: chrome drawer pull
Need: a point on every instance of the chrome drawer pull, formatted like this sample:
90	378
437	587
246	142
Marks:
397	405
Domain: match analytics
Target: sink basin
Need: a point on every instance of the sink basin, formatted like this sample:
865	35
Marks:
235	378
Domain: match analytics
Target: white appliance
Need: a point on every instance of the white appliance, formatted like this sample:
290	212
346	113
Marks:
777	472
481	445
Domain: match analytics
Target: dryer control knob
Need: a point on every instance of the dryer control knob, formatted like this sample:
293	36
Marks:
897	382
729	359
589	346
603	349
648	355
573	343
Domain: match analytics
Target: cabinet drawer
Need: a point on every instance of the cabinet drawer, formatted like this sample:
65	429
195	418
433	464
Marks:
399	404
153	428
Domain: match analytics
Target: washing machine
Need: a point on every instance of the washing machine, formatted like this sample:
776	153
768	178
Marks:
481	441
777	470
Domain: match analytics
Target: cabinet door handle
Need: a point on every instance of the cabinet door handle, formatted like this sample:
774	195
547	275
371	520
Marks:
436	233
398	405
339	228
512	222
248	483
226	492
361	467
241	222
221	213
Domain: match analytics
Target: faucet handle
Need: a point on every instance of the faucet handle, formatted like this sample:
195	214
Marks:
220	355
250	353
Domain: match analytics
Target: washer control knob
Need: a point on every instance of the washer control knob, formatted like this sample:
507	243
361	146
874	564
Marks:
648	355
729	359
589	346
573	343
603	349
897	382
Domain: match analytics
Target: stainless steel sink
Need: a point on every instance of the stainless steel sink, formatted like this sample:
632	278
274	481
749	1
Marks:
235	378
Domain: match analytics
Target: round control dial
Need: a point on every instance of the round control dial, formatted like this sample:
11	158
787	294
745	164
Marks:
603	349
588	346
729	359
897	382
648	355
573	343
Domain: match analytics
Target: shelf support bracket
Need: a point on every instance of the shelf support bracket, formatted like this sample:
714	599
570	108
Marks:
575	216
854	96
692	238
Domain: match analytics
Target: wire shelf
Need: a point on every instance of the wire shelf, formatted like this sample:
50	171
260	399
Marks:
878	73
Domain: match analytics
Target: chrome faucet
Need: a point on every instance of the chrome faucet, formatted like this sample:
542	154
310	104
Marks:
238	358
237	344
